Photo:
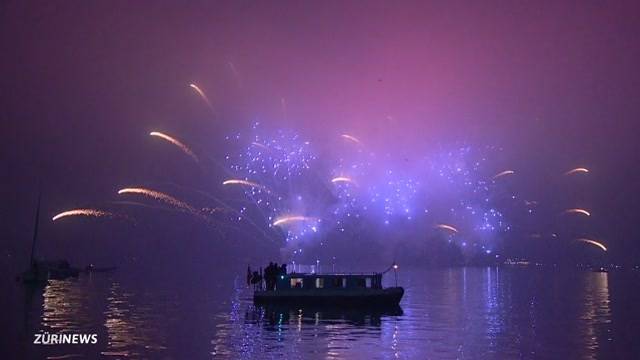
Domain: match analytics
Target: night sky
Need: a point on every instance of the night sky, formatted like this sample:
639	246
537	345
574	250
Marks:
554	85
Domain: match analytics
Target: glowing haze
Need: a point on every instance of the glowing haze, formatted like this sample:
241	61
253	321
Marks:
421	104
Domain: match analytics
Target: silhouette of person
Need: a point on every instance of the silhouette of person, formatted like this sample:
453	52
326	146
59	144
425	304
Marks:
275	274
255	279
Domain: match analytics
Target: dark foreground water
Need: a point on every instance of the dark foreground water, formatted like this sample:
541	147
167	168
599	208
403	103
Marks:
459	313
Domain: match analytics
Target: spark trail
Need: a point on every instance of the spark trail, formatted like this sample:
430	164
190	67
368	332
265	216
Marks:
168	199
351	138
288	219
504	173
202	95
577	211
447	227
244	182
82	212
593	242
175	142
577	170
339	179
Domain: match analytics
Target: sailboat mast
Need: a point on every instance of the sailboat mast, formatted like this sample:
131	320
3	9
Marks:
35	229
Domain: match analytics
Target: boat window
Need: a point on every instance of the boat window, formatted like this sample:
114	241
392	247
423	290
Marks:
296	283
319	283
344	282
360	282
368	282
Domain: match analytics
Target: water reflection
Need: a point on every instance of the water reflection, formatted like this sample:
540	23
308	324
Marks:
250	331
131	327
452	313
66	307
305	315
126	324
446	314
596	313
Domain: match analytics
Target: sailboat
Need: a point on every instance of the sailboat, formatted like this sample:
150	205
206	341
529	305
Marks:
40	270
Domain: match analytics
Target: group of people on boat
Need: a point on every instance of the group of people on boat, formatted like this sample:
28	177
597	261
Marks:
266	281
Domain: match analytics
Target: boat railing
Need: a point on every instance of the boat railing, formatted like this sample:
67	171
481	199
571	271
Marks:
319	269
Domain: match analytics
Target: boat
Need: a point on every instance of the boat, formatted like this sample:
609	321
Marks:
40	271
363	289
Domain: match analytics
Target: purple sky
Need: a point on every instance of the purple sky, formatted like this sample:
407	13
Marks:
554	83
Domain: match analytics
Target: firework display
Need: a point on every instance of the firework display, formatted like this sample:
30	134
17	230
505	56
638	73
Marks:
286	187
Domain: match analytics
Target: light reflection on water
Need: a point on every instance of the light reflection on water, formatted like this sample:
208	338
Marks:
128	327
455	313
460	313
250	331
65	306
596	310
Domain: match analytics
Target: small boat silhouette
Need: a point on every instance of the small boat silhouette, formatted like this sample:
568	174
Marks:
40	271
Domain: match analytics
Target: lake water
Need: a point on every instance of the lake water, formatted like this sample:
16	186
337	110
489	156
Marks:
457	313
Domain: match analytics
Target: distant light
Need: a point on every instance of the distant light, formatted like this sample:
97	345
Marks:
281	276
395	266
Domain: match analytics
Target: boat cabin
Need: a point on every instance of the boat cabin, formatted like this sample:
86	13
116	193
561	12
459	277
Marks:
326	289
329	281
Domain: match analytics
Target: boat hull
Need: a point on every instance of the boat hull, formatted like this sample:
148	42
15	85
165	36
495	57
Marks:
342	297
